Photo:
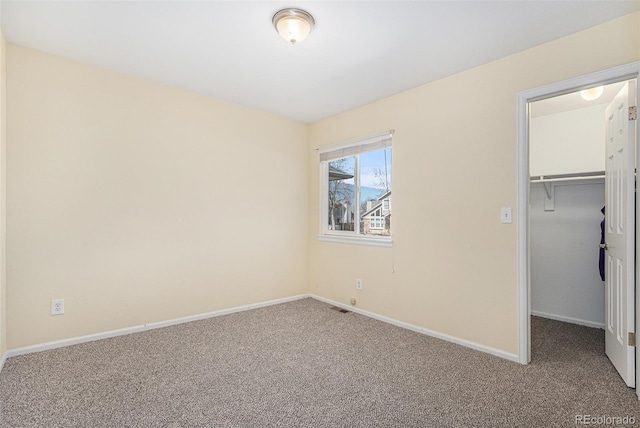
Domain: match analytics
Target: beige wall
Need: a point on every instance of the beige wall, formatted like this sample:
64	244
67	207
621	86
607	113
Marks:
137	202
452	268
3	164
554	139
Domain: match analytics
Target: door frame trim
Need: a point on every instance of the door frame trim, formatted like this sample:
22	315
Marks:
611	75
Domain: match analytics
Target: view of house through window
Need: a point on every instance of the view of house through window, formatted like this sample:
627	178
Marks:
359	193
342	192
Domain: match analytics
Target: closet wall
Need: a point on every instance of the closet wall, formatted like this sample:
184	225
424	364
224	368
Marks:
565	280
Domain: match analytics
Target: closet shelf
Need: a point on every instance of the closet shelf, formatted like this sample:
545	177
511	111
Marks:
567	177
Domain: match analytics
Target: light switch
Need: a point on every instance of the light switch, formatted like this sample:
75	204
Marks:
505	215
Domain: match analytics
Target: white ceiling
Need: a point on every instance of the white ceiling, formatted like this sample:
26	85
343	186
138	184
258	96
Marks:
573	101
359	52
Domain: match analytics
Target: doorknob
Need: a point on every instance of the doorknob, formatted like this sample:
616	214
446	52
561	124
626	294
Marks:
604	246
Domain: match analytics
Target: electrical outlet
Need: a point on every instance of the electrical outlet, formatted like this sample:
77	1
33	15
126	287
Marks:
358	284
57	307
353	302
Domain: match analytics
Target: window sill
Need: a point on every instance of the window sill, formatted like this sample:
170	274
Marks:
358	240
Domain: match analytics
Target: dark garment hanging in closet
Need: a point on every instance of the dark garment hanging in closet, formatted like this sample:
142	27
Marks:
602	241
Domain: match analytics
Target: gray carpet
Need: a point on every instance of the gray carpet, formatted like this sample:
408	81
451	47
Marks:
301	364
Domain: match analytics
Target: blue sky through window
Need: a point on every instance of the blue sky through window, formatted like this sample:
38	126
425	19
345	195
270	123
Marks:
373	173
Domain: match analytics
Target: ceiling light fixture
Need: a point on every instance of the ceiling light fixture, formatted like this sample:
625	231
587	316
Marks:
592	93
294	25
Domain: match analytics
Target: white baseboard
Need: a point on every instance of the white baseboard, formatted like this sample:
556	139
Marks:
2	360
135	329
402	324
568	319
120	332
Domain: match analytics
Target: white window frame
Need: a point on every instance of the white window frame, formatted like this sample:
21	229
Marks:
338	151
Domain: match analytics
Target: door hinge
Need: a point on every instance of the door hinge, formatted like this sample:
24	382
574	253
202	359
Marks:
632	339
633	113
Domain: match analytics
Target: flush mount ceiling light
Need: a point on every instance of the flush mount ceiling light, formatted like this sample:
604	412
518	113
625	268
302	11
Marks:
592	93
294	25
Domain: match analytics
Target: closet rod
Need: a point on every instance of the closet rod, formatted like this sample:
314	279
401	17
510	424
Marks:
551	180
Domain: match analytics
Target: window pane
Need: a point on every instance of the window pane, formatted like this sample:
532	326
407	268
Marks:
375	186
341	197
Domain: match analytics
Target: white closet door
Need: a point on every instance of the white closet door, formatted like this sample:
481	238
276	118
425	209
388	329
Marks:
619	234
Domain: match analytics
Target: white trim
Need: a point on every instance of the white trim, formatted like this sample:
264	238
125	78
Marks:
356	198
324	196
3	360
357	240
522	204
570	320
612	75
136	329
421	330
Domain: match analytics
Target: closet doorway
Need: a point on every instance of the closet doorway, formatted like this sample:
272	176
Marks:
567	166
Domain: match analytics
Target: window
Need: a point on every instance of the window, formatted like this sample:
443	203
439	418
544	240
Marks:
377	223
356	191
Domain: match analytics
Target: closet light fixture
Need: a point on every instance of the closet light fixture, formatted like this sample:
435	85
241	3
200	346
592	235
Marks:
592	93
294	25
